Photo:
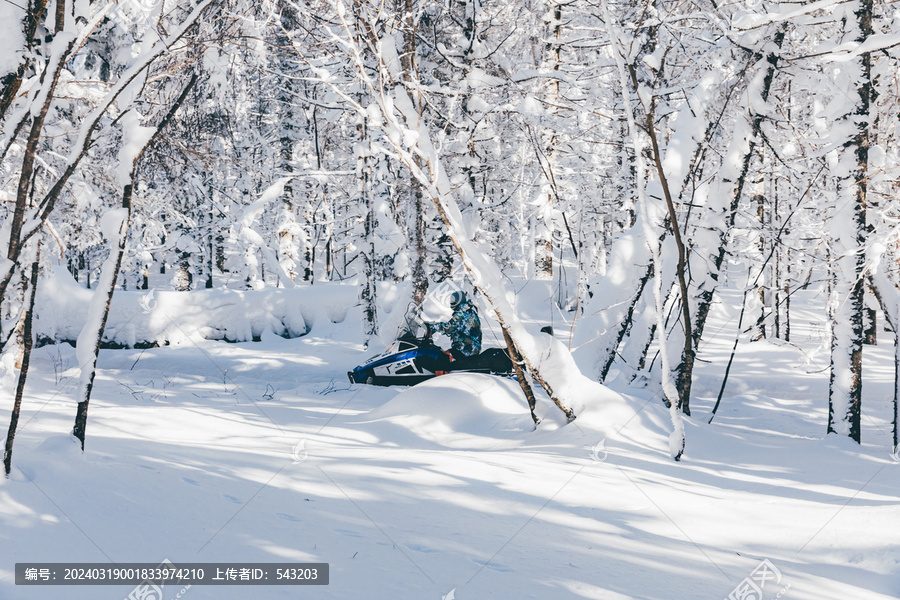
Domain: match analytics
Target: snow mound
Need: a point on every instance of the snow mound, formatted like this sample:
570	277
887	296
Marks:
460	410
483	412
57	456
147	317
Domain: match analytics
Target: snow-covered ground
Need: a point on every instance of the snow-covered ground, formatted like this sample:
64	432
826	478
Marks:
262	452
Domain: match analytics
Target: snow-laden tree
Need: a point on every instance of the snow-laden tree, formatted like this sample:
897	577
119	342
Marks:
632	150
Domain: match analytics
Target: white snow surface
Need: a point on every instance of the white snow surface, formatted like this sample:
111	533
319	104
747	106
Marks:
263	452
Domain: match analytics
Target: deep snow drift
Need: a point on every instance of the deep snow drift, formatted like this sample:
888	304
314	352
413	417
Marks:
261	451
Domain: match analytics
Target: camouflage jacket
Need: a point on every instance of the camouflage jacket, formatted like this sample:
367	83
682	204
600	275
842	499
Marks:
463	328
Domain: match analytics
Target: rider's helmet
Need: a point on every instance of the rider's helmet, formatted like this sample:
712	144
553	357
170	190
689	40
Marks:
456	299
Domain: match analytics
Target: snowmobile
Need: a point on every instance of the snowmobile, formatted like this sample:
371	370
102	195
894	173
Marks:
412	359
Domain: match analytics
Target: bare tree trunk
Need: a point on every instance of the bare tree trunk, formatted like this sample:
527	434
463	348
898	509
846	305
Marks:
27	343
776	268
845	381
543	237
367	292
517	362
419	276
411	76
896	421
888	296
895	426
787	299
364	35
210	246
760	325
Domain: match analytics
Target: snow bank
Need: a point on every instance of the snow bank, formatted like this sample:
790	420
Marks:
557	362
167	317
56	456
483	412
459	410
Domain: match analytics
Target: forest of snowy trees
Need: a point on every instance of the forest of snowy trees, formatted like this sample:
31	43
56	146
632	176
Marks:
627	150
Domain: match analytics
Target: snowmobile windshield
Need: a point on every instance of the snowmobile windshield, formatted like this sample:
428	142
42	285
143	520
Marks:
413	326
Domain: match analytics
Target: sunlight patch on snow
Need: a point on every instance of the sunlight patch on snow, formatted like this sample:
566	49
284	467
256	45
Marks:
289	554
590	591
14	513
313	361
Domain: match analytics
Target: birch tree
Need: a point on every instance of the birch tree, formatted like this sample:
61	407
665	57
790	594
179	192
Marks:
849	232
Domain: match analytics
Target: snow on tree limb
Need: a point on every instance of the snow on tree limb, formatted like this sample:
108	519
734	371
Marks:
140	65
754	20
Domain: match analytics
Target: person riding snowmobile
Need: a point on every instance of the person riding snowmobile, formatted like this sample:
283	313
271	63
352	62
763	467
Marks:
463	328
414	358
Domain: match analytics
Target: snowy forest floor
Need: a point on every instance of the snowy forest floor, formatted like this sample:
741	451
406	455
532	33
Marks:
262	452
